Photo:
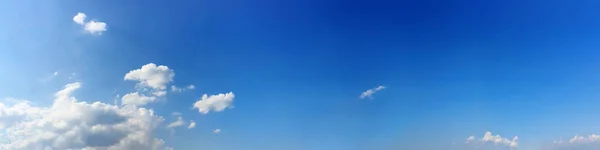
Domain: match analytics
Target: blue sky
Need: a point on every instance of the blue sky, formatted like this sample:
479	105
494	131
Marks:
451	70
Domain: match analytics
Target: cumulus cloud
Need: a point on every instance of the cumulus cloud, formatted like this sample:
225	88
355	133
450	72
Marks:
590	142
369	93
177	89
152	76
217	131
496	140
55	73
152	80
177	123
192	124
136	99
95	27
80	18
92	26
215	103
70	124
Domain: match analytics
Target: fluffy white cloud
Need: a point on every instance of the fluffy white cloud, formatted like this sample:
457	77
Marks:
55	73
176	89
214	102
69	124
217	131
92	26
370	92
177	123
151	75
95	27
192	124
80	18
590	142
494	139
136	99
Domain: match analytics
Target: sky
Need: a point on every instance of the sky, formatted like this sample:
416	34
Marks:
299	75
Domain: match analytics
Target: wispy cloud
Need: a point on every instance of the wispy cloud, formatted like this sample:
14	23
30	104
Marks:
369	93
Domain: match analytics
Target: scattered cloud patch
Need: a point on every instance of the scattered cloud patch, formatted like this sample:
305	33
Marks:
92	26
152	83
176	114
70	124
159	93
369	93
136	99
590	142
215	103
177	123
177	89
192	124
217	131
55	73
495	140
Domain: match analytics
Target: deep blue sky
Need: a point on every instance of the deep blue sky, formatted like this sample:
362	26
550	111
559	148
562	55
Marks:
453	68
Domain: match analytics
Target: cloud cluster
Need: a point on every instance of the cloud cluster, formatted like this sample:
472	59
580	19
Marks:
215	103
70	124
92	26
590	142
489	138
369	93
152	81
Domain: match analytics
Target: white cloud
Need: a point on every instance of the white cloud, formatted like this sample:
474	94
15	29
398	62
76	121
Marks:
80	18
69	124
214	102
176	114
494	139
192	124
217	131
370	92
55	73
176	89
177	123
92	26
152	76
95	27
590	142
136	99
159	93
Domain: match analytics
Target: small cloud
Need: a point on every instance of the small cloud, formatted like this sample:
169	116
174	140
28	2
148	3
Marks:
193	125
217	131
177	89
55	73
80	18
216	103
177	123
136	99
93	26
369	93
151	76
176	114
